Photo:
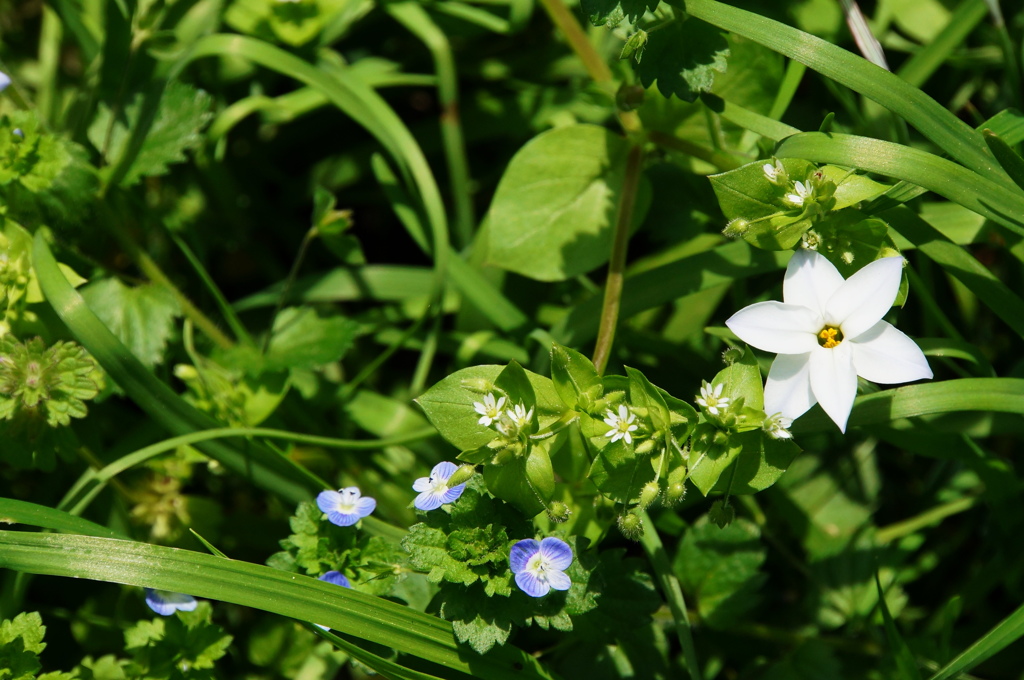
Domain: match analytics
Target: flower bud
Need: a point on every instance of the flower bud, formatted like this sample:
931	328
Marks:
648	494
462	475
732	355
558	512
674	493
736	228
631	526
646	446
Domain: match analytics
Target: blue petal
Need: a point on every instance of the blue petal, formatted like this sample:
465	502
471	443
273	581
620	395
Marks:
443	470
521	553
5	80
421	484
337	578
452	494
365	506
165	602
428	500
328	501
343	519
556	553
558	580
531	585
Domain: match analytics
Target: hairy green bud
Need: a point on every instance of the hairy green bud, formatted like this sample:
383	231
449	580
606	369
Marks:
649	494
559	512
631	526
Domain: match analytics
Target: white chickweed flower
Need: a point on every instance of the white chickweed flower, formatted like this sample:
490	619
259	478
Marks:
777	426
490	410
622	424
801	192
711	399
514	420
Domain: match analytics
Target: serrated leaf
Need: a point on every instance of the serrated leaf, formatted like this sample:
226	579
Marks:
21	641
721	569
183	112
611	13
682	58
304	339
554	211
142	317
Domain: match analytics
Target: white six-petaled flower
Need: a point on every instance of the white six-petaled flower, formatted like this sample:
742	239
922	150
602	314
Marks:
775	172
826	333
434	490
490	410
622	423
540	566
345	507
777	426
711	399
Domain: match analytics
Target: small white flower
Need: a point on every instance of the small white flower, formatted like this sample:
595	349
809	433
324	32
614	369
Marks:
775	172
826	333
801	192
514	420
711	398
490	410
777	426
810	240
622	424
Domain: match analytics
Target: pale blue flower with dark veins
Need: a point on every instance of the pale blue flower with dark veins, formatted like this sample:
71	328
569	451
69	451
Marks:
345	507
434	490
165	603
5	81
540	566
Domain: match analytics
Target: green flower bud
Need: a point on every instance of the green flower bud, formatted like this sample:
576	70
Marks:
462	475
674	493
559	512
732	355
648	494
631	526
736	228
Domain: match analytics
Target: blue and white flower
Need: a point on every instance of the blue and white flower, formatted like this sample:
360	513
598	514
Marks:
622	424
5	81
540	566
345	507
434	490
490	410
165	603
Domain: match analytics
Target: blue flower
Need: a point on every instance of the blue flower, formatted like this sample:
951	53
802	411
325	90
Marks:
344	507
165	603
540	566
434	490
338	579
5	81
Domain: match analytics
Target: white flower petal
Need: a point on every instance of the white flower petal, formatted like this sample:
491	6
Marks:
887	356
834	381
788	388
810	280
777	327
865	297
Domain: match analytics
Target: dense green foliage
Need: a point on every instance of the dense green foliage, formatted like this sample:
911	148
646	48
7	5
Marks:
256	250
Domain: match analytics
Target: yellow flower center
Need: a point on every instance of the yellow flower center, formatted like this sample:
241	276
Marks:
830	337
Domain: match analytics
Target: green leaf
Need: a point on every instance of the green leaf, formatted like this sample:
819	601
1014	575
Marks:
304	339
752	462
515	383
21	641
528	481
449	404
644	395
721	569
683	57
182	113
1005	633
187	641
742	380
142	317
557	203
905	663
575	379
619	473
611	13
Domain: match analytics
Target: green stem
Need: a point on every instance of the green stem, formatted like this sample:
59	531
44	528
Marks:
50	34
225	307
371	368
419	23
720	160
289	282
593	62
931	516
651	542
617	264
153	272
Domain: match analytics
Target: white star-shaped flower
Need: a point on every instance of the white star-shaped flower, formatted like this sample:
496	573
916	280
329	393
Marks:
489	410
622	424
801	192
711	398
826	333
514	420
774	172
777	426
